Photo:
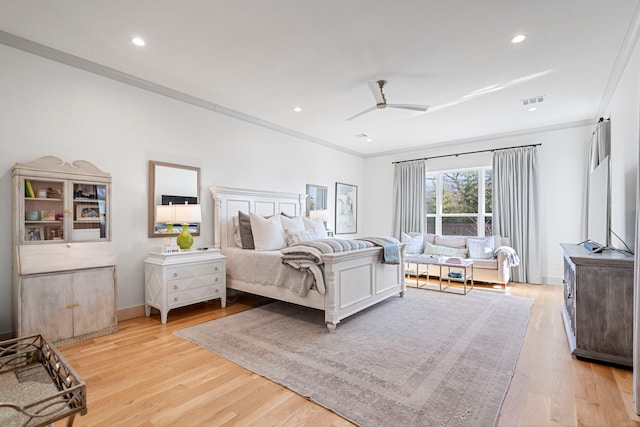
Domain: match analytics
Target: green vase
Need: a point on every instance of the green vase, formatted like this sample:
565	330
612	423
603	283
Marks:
185	239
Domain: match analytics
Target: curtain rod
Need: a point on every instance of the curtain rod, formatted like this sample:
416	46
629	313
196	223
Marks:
468	152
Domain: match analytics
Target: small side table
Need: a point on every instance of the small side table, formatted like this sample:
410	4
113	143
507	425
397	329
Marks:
182	278
465	265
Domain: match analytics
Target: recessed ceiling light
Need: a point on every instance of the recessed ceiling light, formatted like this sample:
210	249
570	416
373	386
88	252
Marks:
532	109
297	109
369	139
138	41
519	38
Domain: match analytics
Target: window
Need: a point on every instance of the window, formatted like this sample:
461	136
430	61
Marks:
459	202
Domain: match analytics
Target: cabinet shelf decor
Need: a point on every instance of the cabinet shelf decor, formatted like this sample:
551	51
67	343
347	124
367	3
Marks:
64	281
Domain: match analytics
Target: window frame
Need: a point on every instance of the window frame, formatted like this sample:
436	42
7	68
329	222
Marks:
480	216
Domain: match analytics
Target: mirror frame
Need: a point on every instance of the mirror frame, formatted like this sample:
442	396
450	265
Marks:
152	191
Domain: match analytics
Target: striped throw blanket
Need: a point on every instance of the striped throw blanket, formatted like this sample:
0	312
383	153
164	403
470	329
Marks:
307	256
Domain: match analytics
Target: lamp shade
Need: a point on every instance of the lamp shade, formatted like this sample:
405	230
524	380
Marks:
188	214
322	215
165	214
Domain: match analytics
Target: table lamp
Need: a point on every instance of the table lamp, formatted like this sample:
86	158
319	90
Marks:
187	214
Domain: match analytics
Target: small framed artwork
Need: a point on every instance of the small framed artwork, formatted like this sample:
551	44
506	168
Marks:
33	234
87	212
346	208
53	233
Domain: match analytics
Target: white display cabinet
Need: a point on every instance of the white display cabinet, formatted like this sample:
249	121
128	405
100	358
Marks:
64	264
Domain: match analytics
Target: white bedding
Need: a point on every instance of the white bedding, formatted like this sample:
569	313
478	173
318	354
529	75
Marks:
266	268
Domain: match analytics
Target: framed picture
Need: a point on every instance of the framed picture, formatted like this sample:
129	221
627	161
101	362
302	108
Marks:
53	233
87	212
346	208
33	234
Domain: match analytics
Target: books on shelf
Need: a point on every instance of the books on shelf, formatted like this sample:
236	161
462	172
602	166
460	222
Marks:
28	189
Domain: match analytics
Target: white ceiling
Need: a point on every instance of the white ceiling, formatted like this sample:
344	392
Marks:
262	58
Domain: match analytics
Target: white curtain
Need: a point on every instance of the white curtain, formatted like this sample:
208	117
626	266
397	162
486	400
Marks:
409	199
516	203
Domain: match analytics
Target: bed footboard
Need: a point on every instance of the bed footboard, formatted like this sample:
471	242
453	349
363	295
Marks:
358	279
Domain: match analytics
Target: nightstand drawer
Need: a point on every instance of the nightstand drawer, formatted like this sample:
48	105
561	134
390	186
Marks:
194	270
196	295
195	282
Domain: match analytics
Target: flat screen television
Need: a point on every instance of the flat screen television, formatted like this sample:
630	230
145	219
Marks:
599	206
178	200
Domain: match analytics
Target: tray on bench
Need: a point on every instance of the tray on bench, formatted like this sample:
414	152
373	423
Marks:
37	385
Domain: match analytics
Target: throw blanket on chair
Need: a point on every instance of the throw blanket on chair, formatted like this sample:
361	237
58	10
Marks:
307	256
512	257
390	246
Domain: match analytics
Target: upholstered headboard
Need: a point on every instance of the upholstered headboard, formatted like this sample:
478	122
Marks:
228	201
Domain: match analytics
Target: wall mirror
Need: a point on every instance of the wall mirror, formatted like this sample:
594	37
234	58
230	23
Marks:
171	184
317	202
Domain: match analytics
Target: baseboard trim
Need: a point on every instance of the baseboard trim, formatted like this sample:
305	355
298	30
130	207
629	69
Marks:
552	280
131	313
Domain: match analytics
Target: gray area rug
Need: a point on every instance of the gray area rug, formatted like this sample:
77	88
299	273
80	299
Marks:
428	359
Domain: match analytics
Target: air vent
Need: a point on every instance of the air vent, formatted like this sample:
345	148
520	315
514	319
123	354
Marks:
533	101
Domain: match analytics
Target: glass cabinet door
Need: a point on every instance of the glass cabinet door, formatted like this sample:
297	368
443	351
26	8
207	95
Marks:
89	211
43	210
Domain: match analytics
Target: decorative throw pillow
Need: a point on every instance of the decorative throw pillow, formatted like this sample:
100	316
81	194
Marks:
414	242
244	228
300	236
293	224
481	247
430	249
268	234
318	226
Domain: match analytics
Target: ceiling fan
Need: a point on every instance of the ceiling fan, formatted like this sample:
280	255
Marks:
381	100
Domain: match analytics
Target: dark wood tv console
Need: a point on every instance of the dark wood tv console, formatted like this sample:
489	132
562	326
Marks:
598	304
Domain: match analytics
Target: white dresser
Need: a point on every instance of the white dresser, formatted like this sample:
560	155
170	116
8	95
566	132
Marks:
182	278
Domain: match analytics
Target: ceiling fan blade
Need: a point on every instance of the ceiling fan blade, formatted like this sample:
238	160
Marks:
414	107
368	110
376	90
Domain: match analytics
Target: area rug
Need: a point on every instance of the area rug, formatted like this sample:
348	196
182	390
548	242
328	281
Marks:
427	359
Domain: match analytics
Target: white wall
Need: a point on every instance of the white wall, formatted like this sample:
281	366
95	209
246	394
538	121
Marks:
624	111
52	109
563	159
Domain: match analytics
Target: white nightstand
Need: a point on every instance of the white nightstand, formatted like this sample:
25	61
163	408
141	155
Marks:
183	278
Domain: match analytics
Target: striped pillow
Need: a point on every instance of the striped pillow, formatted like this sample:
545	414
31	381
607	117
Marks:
430	249
300	236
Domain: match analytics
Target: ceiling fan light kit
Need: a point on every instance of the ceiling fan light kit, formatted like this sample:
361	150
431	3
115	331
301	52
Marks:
381	101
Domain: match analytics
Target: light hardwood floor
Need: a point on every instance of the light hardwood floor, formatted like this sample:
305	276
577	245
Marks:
146	376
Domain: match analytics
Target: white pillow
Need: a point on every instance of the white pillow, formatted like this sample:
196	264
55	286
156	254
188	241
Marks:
268	234
481	247
300	236
293	224
318	226
414	244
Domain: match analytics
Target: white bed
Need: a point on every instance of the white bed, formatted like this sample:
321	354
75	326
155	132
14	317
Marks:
354	280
